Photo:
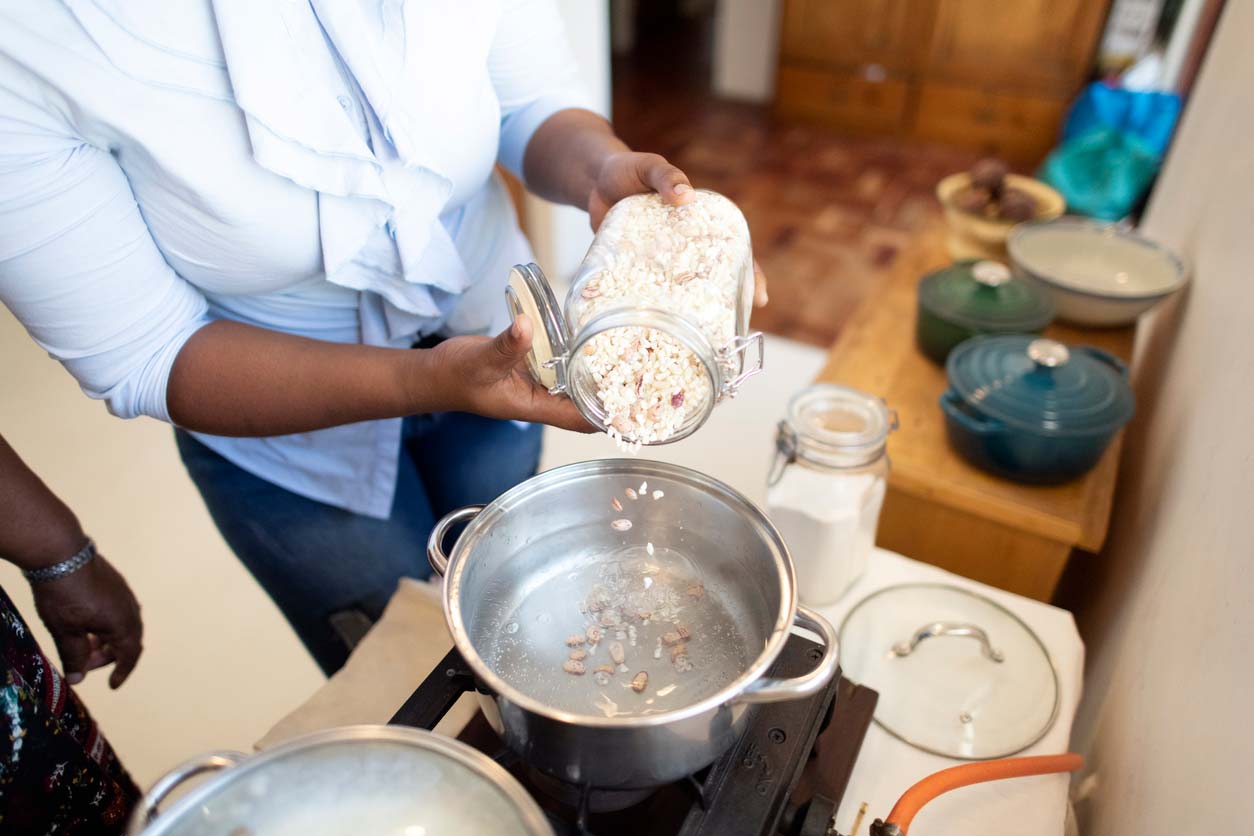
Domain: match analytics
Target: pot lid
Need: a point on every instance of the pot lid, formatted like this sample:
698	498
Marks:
984	296
529	293
958	675
359	779
1041	385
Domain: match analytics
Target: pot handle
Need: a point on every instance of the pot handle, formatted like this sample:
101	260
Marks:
435	543
146	808
952	405
1105	357
780	690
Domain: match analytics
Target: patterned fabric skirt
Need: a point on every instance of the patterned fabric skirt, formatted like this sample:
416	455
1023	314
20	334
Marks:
57	772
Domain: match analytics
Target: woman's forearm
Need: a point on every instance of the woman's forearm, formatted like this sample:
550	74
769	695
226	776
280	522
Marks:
236	379
566	155
239	380
575	158
36	528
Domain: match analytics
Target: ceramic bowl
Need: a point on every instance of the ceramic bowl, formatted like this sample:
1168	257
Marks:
974	236
1098	274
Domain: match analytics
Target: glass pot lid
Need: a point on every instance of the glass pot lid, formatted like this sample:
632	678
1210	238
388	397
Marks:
358	779
985	296
1041	385
528	292
958	675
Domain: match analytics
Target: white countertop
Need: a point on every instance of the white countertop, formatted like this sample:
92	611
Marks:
887	767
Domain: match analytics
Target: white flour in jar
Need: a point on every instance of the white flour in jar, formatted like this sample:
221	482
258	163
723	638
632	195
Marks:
828	522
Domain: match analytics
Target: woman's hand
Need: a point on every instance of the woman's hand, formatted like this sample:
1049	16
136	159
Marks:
575	158
488	376
94	619
629	172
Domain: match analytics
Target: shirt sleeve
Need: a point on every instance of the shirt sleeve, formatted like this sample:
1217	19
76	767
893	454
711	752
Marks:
79	268
534	73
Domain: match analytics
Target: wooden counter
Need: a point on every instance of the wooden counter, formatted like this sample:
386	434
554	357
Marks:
940	509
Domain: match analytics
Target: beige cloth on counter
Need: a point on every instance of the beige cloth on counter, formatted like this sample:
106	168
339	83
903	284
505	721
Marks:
387	665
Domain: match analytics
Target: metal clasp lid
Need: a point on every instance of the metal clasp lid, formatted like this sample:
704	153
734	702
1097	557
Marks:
785	452
727	359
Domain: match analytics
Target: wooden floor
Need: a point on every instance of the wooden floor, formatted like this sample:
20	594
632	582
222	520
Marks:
829	214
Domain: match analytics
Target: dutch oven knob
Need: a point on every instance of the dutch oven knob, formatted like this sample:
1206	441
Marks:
1048	353
990	273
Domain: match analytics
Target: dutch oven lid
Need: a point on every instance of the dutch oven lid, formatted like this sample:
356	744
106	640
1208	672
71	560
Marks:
984	296
358	779
528	292
1041	385
958	675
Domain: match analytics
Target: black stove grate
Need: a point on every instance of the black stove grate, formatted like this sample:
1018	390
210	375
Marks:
759	787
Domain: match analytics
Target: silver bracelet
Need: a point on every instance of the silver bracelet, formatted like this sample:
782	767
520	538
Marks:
66	567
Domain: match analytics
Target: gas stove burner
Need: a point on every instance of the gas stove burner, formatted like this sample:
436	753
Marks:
589	799
783	777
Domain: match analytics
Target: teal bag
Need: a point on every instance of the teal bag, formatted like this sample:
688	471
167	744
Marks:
1102	173
1112	146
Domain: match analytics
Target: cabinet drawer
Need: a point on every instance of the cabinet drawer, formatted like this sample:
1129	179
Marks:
843	100
1022	128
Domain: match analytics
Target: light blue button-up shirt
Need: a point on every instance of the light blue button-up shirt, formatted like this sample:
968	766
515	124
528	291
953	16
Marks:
317	167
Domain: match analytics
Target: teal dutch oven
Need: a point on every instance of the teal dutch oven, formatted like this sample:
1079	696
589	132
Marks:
1033	410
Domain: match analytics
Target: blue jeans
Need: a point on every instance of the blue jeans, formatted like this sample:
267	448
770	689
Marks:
318	562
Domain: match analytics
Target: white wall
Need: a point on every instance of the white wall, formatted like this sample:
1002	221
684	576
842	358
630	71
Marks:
560	235
1170	624
746	41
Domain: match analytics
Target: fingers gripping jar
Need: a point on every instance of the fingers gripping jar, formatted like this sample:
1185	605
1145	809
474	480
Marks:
827	485
655	328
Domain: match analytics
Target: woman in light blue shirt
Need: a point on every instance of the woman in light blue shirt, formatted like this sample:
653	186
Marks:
242	217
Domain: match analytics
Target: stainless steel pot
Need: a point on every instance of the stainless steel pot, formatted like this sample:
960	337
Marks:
516	578
355	779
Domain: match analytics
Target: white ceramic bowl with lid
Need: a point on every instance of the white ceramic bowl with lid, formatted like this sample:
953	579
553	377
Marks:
1097	273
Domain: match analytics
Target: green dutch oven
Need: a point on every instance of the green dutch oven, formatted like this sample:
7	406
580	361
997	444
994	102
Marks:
970	298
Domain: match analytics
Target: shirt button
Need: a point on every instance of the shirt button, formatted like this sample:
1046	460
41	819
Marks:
345	102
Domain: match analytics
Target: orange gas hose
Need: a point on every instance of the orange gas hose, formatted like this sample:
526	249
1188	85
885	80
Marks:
933	785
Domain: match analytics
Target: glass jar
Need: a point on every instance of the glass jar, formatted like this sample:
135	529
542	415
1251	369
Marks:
827	484
654	331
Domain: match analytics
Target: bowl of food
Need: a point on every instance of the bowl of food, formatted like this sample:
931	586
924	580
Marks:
1097	273
982	206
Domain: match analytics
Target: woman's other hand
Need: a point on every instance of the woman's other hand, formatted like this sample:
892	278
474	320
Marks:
94	619
629	172
488	376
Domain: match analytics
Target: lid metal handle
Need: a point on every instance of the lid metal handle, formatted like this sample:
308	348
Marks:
1048	353
741	345
941	629
990	273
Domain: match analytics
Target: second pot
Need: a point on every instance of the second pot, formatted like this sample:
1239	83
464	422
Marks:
1032	409
637	550
970	298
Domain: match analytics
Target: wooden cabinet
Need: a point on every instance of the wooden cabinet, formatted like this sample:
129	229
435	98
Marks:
1021	46
843	100
1015	126
843	35
987	74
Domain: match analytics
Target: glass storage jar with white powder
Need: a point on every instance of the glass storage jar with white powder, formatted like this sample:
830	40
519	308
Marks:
655	328
827	485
